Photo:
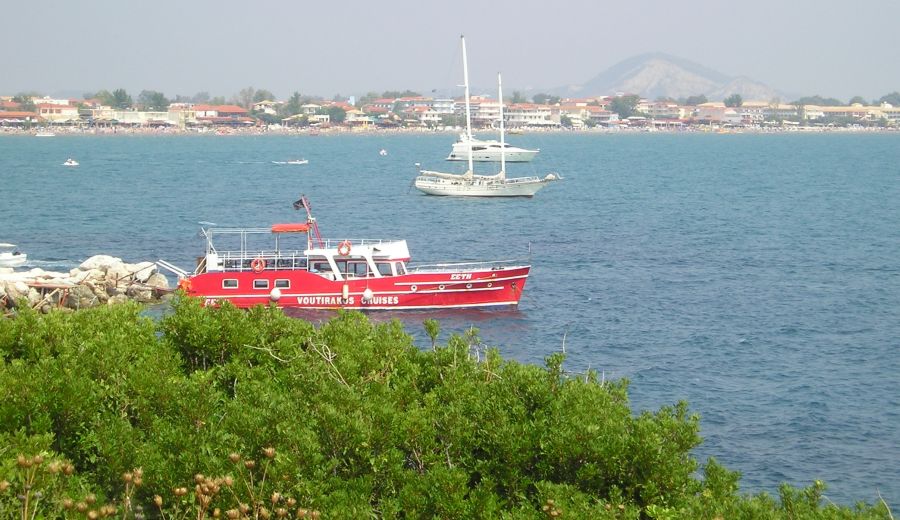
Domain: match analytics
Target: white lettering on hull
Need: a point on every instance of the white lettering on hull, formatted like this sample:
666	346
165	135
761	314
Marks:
333	301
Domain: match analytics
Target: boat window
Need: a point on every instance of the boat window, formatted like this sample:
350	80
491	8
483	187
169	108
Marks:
384	268
229	283
260	284
401	268
320	267
283	284
359	269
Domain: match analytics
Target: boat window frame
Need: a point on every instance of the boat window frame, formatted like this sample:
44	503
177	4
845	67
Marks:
226	283
260	283
282	283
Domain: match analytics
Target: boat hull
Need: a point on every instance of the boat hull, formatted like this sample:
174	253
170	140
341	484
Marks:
464	188
440	289
10	260
492	155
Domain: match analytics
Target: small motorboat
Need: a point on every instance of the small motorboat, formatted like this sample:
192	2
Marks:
383	152
294	162
10	257
70	162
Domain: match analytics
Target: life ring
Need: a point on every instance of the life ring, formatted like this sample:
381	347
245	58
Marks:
258	264
344	248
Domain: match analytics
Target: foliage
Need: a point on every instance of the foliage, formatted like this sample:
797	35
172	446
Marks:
819	101
893	98
624	105
263	95
350	419
153	100
857	100
695	100
545	99
517	97
293	106
734	100
25	101
336	114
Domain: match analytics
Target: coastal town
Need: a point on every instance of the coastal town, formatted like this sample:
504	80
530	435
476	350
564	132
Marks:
258	111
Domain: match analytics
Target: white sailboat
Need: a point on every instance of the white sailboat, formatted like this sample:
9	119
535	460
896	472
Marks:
470	185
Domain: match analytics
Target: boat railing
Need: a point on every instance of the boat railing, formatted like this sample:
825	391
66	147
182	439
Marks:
467	266
272	259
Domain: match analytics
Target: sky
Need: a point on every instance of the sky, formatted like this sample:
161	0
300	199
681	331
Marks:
832	48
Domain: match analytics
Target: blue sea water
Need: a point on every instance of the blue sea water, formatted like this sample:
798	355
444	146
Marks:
755	276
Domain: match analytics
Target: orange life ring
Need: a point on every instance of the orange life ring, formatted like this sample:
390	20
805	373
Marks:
344	248
258	264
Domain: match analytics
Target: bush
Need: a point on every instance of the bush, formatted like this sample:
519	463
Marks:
350	419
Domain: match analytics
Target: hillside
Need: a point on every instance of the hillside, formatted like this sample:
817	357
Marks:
660	75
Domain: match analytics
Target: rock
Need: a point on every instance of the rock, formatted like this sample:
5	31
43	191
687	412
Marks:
34	296
6	270
158	281
142	271
140	293
102	262
81	297
119	298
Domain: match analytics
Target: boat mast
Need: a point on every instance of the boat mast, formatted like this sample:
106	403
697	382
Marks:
468	111
502	143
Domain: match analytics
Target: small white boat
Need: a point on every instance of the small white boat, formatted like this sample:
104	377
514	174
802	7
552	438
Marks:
10	257
45	133
295	161
383	152
70	162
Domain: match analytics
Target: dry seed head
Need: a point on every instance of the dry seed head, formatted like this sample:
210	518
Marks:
93	515
291	501
234	457
127	477
138	481
180	492
91	499
81	507
217	513
244	509
4	485
68	503
276	496
228	481
281	512
232	514
69	469
108	510
269	452
301	513
22	461
54	467
157	500
249	464
315	515
264	513
198	478
38	459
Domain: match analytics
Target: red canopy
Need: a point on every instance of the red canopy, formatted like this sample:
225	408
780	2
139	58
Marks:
290	228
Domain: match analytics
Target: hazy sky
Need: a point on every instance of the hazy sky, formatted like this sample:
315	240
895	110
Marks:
833	48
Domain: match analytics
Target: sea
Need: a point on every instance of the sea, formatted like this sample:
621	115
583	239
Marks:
755	276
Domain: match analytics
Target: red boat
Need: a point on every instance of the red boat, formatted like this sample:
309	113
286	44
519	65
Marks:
296	267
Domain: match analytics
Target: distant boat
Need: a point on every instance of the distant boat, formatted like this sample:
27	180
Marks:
45	133
295	161
488	150
383	152
9	257
70	162
470	185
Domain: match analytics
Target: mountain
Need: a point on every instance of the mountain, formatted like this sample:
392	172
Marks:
656	75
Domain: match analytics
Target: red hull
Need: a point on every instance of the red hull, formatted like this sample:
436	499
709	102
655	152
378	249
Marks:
416	290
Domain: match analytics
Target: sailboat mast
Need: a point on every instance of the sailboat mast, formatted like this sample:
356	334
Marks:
502	142
468	110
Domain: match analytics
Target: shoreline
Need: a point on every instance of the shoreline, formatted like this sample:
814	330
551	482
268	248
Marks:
317	132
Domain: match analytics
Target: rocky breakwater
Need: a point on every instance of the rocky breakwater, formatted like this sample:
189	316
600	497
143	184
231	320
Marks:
100	280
